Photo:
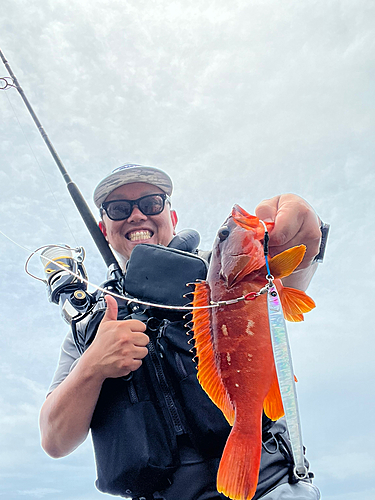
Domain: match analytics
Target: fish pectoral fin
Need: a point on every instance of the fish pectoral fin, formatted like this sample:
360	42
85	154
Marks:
286	262
295	303
208	374
273	405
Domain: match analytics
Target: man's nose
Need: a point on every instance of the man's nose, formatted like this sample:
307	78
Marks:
136	215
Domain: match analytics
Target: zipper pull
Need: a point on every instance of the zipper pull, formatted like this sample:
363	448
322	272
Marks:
160	334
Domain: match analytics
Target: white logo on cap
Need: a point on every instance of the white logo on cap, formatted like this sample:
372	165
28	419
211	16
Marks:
123	167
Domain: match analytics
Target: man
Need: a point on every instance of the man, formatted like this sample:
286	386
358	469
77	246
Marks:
156	434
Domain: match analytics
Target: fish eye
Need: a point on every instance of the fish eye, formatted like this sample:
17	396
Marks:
223	233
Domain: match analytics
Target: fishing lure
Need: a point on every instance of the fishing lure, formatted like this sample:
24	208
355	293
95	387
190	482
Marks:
285	375
284	367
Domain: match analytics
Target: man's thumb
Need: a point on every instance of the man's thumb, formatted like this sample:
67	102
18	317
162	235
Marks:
112	309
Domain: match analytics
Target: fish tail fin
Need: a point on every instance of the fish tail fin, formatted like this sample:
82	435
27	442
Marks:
238	473
273	405
295	303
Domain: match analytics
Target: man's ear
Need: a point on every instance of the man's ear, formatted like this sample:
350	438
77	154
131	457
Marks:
174	218
103	229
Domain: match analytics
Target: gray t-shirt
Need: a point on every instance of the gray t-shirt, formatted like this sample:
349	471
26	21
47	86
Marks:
69	357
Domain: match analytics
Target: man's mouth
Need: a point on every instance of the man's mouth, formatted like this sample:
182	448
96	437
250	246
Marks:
139	235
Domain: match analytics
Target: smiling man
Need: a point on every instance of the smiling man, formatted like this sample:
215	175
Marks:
131	378
137	199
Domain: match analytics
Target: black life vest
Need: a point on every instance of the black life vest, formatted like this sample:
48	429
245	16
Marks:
138	419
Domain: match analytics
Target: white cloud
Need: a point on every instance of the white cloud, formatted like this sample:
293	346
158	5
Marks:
347	464
38	492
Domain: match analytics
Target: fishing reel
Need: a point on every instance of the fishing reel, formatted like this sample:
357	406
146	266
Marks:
154	275
66	280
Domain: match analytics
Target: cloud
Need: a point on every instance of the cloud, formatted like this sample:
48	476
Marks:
358	465
38	492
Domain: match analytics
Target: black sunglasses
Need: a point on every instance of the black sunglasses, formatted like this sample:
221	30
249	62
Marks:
152	204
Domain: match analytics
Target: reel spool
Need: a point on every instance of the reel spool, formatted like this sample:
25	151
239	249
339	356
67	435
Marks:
63	268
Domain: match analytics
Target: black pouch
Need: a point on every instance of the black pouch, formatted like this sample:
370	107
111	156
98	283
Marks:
135	453
160	274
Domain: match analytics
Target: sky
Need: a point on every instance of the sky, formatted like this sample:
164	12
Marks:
238	101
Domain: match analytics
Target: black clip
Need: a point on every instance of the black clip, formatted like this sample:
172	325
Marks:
270	444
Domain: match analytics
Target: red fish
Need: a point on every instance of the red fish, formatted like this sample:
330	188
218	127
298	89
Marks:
235	359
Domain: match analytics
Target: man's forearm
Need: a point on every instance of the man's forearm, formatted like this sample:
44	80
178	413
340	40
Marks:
66	414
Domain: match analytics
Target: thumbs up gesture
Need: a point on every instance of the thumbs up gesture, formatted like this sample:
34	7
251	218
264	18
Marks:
119	346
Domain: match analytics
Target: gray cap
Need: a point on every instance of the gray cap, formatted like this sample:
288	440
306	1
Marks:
128	173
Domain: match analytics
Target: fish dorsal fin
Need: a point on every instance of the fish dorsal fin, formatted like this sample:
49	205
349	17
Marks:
285	263
208	374
244	219
295	303
273	405
247	221
250	222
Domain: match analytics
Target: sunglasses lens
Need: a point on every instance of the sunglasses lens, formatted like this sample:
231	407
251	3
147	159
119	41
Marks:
122	209
118	210
151	205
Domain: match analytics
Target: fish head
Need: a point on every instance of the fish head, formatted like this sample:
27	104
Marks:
238	248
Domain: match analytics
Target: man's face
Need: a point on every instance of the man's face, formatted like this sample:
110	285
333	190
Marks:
124	235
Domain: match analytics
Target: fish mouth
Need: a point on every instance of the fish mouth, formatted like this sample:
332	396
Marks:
139	235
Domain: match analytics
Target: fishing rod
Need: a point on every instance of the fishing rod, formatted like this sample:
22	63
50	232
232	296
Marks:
65	275
79	201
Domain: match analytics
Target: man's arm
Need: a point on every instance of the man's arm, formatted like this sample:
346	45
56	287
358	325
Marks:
296	223
118	349
66	413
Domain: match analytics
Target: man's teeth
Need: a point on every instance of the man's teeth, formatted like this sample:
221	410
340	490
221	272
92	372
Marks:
139	235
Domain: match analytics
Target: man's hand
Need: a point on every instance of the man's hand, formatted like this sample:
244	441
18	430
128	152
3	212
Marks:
119	346
296	223
118	349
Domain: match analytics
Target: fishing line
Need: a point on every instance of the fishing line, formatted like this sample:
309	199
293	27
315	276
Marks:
109	292
44	175
17	244
116	295
249	296
265	247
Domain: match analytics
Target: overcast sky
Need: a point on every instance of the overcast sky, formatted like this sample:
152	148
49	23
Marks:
238	101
